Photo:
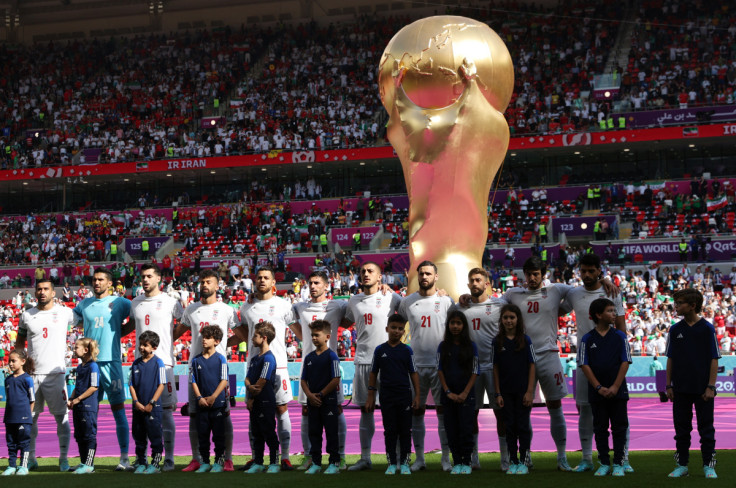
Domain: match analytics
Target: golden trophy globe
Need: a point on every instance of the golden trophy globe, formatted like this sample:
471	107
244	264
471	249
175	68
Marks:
445	82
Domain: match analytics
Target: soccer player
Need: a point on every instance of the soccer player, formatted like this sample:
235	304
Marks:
539	307
44	327
267	307
483	314
155	311
207	311
427	315
102	316
333	311
369	311
579	300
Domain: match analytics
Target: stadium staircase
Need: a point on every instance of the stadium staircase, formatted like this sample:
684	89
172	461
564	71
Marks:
619	54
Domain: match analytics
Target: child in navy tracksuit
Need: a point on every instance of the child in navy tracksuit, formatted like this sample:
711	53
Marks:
146	383
394	362
692	366
603	355
260	383
209	383
457	367
84	404
18	407
320	381
512	355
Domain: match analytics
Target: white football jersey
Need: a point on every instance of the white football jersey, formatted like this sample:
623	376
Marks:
46	332
483	320
157	314
198	315
579	299
427	317
370	314
540	309
275	310
333	311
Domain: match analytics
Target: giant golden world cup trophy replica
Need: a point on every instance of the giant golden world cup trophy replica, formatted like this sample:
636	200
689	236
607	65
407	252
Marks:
445	82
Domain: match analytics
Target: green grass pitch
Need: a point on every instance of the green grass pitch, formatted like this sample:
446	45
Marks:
651	471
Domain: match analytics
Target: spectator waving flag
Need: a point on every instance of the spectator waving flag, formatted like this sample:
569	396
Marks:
717	203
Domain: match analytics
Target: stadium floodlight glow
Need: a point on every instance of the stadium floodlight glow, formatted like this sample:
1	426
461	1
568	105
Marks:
607	94
126	179
25	183
263	169
513	154
168	174
309	166
213	172
583	226
577	152
626	150
213	122
691	145
362	163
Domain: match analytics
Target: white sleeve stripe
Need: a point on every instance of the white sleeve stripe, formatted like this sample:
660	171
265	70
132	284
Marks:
581	353
718	347
336	366
162	374
413	363
32	394
93	380
223	373
531	349
264	371
476	370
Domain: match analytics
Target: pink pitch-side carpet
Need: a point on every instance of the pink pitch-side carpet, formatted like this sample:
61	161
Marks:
651	429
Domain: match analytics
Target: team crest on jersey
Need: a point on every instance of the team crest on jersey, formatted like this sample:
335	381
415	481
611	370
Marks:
437	307
378	303
271	310
55	317
488	310
159	304
324	306
214	315
544	292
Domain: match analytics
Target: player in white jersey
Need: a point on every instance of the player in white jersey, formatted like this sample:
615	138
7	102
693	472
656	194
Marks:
483	313
207	311
540	307
426	312
369	311
267	307
45	327
155	311
319	307
579	300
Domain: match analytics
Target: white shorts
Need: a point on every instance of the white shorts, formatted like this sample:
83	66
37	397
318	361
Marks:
581	387
282	388
168	397
360	384
485	384
302	397
550	376
429	380
50	389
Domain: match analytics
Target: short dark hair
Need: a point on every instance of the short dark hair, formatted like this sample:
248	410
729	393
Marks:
366	263
211	332
590	259
149	337
44	280
478	271
267	330
320	325
208	273
597	307
154	267
534	263
427	263
690	296
319	274
269	269
105	271
397	317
